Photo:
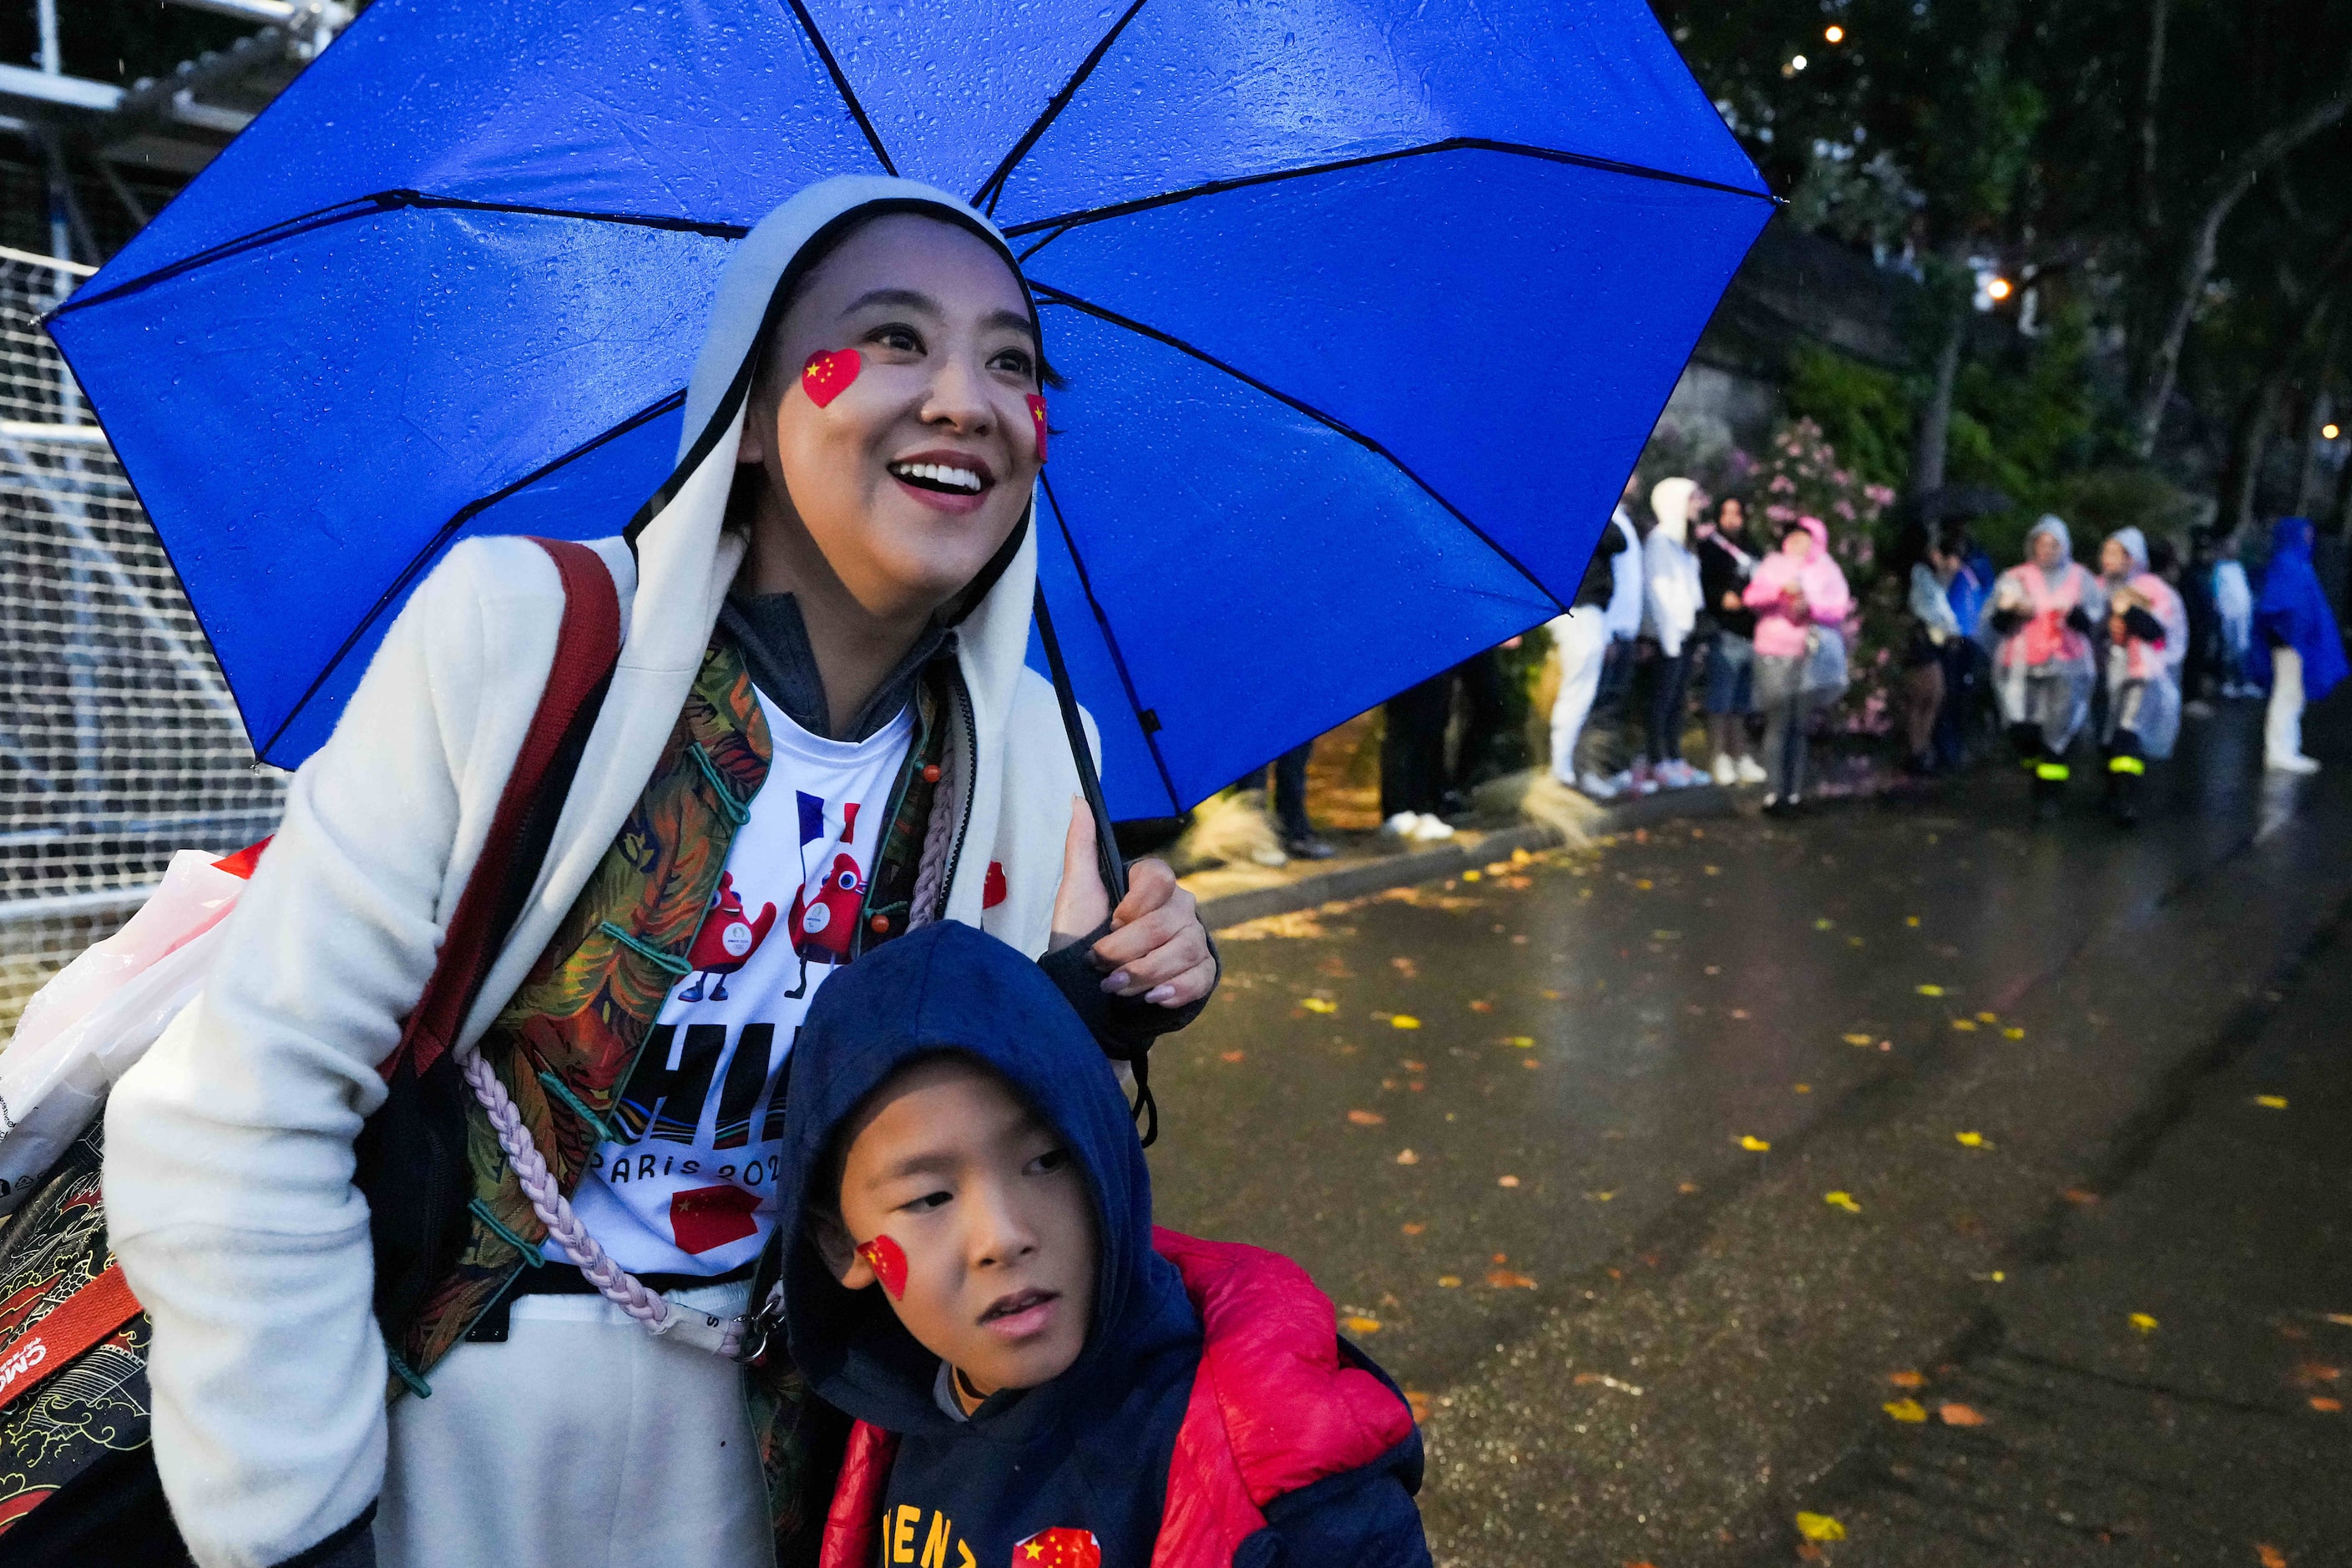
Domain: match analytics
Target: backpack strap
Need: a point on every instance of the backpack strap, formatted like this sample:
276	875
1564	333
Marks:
587	646
90	1314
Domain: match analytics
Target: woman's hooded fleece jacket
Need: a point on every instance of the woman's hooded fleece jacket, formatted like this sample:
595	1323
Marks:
1213	1400
1780	635
229	1149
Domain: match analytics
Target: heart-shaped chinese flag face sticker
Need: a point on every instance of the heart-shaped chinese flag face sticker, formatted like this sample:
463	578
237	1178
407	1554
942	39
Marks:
1037	419
884	1257
1064	1547
828	374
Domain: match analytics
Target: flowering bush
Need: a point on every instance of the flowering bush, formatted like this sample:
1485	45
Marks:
1799	477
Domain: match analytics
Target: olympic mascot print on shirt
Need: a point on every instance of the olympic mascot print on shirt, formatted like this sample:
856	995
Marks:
687	1188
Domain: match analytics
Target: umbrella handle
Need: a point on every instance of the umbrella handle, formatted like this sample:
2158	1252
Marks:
1106	855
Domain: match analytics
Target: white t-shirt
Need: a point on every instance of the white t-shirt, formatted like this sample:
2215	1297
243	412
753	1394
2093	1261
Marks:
693	1189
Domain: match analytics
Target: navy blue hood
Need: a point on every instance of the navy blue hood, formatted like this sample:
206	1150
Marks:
947	987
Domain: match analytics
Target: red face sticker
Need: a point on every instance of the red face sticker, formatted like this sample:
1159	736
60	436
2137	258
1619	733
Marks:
888	1262
1037	418
828	374
991	887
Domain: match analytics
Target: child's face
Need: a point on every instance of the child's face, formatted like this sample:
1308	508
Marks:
955	1187
2114	560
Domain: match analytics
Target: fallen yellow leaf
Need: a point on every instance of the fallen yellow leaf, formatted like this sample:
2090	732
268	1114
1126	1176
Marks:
1968	1024
2271	1102
1420	1403
2143	1322
1366	1118
1405	1021
2324	1404
1911	920
1959	1416
2269	1556
1907	1379
1449	1281
2014	1033
1505	1279
1506	1181
1522	1041
1686	1186
1857	1039
1805	1088
1841	1201
1360	1325
1819	1527
1600	1197
1824	924
1470	875
1407	1157
1906	1410
1712	870
1969	1140
1931	991
1413	1228
1231	1056
1752	1144
1318	1005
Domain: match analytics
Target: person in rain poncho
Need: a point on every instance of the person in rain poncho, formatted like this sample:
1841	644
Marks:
2233	602
1800	597
2296	652
2147	643
1671	593
2044	610
821	732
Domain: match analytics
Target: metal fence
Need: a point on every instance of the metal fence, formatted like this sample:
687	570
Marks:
119	743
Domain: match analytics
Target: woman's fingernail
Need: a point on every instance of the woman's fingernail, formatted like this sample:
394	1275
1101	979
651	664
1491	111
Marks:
1159	993
1116	982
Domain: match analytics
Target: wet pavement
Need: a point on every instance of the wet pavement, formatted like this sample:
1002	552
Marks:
1642	1167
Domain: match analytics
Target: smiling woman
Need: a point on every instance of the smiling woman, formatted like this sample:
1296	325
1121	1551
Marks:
819	735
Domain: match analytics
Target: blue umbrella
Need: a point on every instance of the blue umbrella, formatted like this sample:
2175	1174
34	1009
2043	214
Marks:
1366	309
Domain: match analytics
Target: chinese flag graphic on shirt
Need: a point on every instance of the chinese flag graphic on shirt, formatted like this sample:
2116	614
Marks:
1062	1547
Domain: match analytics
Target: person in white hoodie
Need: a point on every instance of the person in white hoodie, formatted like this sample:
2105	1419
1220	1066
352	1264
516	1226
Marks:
826	606
1671	601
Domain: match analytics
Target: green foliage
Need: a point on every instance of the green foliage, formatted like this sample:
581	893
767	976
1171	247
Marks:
1863	412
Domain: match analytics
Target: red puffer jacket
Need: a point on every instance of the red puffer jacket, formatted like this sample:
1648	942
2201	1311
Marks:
1275	1408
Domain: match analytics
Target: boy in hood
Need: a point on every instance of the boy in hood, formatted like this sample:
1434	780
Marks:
1036	1373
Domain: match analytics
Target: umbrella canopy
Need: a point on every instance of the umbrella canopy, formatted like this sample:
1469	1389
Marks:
1366	308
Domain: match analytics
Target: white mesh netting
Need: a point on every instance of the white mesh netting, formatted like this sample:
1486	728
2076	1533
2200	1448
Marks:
119	743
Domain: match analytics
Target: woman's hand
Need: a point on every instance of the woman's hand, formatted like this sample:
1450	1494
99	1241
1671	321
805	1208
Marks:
1730	601
1156	949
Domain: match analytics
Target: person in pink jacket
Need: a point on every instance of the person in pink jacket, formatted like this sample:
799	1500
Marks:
1800	598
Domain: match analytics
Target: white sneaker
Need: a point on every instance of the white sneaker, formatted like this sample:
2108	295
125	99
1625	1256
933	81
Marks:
1401	824
1751	772
2293	764
1431	829
1594	787
1727	772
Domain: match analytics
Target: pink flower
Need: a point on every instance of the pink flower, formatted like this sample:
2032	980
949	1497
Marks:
1779	513
1880	494
1844	509
1781	485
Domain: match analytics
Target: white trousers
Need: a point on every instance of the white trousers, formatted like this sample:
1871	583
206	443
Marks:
1583	641
2283	723
582	1442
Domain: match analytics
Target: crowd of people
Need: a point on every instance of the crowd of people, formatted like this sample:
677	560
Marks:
2050	649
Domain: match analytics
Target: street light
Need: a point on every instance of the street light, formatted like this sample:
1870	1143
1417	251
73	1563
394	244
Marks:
1833	33
1798	62
1999	288
2330	432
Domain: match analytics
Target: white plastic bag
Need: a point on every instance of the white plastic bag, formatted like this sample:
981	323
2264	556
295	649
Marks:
96	1016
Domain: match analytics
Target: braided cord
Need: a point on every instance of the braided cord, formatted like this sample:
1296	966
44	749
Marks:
939	835
615	1283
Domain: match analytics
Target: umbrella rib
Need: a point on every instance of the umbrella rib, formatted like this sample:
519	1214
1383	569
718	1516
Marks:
1339	165
1328	421
994	186
841	85
465	514
1110	640
376	206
